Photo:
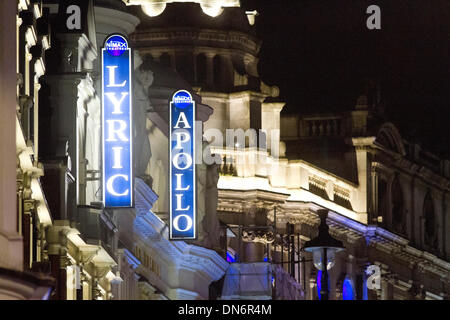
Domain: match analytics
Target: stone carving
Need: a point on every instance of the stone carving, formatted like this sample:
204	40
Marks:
142	81
261	236
202	234
69	60
272	91
209	231
211	222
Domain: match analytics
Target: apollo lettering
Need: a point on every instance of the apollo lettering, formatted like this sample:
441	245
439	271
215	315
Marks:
182	167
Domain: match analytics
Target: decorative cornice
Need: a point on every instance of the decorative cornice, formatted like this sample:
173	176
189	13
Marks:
259	236
110	20
131	259
159	38
248	198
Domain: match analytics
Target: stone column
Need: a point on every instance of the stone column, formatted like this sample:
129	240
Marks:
361	199
387	290
10	241
29	207
156	55
445	225
37	87
209	69
373	215
312	288
254	251
439	216
100	270
85	255
227	74
194	66
173	60
63	100
57	252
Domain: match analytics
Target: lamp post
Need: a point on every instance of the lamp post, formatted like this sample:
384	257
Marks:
324	248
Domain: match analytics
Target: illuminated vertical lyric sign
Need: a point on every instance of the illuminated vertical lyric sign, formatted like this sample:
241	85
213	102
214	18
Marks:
117	123
182	167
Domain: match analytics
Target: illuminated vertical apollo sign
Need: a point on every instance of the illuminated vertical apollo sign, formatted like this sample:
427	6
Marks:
182	167
117	123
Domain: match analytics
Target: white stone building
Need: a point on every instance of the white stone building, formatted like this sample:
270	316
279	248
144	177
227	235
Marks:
387	198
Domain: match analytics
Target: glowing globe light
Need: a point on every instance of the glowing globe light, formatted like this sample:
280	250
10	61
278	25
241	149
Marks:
324	248
153	10
318	258
212	11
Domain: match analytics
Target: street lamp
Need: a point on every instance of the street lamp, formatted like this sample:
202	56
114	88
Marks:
324	248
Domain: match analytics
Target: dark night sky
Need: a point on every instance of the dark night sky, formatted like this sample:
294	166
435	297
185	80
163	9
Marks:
319	52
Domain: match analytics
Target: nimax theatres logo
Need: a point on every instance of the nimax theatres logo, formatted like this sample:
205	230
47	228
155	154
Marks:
117	123
182	167
116	45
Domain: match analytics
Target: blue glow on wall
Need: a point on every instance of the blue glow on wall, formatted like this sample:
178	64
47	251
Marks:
347	290
230	258
117	123
182	167
319	283
365	293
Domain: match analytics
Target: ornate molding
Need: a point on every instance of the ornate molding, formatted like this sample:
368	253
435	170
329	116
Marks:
164	40
260	236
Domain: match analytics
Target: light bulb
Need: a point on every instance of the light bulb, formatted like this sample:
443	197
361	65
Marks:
317	258
153	9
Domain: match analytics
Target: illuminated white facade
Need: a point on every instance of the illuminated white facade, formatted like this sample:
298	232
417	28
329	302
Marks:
386	201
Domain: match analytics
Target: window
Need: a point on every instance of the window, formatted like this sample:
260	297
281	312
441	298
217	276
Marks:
382	201
398	210
201	69
164	59
217	71
430	238
184	65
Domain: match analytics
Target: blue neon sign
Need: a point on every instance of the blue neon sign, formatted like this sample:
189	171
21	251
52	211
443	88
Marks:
182	167
117	123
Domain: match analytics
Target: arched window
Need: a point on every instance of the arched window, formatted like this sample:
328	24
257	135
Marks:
185	65
382	200
164	59
398	209
217	71
148	57
430	222
386	141
201	68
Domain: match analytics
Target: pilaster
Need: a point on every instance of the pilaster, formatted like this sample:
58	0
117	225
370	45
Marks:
10	241
209	69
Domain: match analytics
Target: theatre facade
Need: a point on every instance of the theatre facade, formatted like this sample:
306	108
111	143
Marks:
152	162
